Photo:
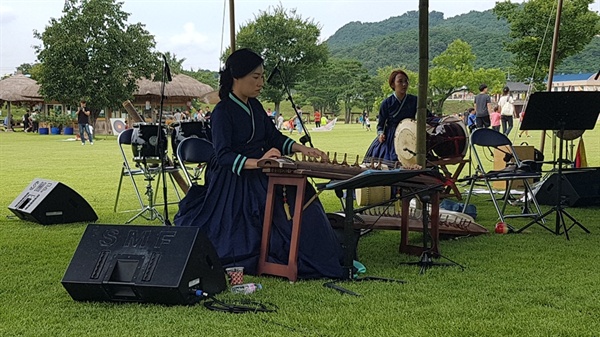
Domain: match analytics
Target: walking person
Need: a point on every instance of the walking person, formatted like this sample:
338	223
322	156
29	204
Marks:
83	120
495	118
507	110
483	106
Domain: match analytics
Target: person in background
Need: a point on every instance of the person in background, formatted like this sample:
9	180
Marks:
396	107
471	124
280	121
83	121
34	118
230	208
367	123
483	106
207	113
27	122
317	117
507	110
495	118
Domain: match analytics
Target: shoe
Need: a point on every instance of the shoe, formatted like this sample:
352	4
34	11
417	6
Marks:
82	143
91	143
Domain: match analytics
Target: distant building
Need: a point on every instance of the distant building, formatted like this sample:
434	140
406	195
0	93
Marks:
575	82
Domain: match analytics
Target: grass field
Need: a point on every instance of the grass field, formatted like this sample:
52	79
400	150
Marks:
529	284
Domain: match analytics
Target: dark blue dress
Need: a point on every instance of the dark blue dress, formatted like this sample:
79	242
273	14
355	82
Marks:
230	209
391	112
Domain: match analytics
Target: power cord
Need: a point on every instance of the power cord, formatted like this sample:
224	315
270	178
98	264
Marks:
240	307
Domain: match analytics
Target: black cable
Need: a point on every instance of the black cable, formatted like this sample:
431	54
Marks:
244	306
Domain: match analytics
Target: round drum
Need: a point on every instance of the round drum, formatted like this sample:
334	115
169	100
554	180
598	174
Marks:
184	130
569	134
144	142
405	141
446	138
449	138
373	195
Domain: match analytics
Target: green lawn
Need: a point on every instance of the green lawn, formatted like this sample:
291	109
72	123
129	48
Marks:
529	284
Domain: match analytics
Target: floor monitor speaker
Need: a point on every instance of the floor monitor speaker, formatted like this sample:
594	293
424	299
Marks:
580	187
51	202
150	264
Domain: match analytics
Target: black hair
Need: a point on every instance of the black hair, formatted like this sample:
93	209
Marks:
482	87
239	64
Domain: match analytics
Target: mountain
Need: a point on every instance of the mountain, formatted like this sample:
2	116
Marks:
395	41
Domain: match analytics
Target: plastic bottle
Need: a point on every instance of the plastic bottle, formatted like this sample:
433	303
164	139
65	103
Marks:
246	288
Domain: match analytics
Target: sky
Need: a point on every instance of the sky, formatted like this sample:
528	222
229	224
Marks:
198	30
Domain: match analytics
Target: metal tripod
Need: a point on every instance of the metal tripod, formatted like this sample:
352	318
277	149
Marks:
149	211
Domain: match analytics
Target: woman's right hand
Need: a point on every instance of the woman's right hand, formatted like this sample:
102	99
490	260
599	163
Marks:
272	153
381	138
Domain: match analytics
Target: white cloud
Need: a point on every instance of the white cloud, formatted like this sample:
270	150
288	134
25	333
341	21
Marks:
189	36
7	15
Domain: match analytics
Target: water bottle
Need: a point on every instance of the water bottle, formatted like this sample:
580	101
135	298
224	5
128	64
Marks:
246	288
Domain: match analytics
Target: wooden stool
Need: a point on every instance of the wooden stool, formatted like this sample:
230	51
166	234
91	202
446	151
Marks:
451	189
290	270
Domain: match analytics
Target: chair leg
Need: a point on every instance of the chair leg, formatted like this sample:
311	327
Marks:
119	189
494	201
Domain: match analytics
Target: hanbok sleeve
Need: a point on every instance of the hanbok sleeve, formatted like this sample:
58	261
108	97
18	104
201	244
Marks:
275	138
222	127
384	114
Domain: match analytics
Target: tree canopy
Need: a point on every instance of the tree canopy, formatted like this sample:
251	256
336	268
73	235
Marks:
531	30
281	35
92	53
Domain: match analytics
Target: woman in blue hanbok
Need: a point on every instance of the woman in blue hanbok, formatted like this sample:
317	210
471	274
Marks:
230	208
395	108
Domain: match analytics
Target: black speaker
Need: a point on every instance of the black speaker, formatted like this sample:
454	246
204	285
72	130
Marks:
152	264
580	188
50	202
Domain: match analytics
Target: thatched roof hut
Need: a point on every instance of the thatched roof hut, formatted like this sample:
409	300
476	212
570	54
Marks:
180	90
12	91
12	88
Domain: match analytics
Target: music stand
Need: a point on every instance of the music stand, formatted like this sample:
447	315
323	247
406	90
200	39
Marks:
561	111
368	178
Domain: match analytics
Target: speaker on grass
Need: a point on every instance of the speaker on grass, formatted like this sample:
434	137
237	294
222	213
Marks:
580	187
151	264
50	202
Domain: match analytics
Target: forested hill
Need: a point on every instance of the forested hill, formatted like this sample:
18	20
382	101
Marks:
395	41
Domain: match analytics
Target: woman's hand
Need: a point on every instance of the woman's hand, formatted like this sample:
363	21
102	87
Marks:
272	153
381	138
311	152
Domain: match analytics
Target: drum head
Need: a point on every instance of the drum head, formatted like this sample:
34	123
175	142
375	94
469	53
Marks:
449	138
406	138
569	134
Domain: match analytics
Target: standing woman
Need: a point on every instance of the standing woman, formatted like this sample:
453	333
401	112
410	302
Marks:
507	110
395	108
231	209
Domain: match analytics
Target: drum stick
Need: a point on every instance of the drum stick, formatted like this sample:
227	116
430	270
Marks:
135	116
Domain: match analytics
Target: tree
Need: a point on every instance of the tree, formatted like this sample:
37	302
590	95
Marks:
453	70
340	81
92	53
531	27
279	35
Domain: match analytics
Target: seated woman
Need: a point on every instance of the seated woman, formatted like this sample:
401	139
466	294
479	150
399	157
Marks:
230	210
395	108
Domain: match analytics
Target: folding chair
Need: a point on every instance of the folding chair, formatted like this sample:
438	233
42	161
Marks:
194	151
124	138
488	140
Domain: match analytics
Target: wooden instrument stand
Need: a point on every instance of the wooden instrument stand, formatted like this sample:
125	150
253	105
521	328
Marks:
289	270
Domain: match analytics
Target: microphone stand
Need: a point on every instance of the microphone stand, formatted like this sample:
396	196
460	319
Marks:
306	138
166	75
